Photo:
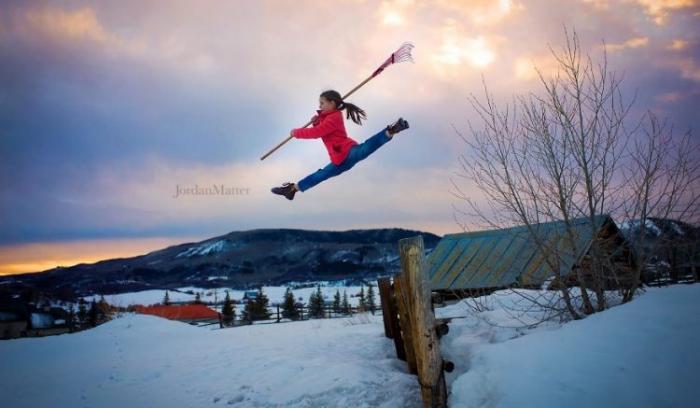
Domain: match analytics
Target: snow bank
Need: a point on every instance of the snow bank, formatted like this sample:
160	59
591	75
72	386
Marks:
640	354
146	361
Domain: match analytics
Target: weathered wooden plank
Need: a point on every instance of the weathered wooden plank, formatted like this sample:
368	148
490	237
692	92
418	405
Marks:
395	328
384	287
424	337
402	301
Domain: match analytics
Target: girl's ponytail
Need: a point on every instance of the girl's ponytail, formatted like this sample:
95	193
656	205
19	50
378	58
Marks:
353	111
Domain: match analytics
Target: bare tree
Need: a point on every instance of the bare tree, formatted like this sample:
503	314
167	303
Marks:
560	156
662	181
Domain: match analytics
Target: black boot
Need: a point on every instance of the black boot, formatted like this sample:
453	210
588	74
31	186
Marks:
286	190
398	126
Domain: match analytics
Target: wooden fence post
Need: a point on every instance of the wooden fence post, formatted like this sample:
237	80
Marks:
417	293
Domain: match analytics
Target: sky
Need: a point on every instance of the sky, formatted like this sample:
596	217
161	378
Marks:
107	107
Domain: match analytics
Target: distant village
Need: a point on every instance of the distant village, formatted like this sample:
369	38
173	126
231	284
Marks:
468	264
36	314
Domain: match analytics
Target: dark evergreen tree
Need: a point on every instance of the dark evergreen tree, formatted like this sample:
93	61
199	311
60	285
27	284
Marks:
371	300
290	310
93	314
82	313
70	320
228	311
248	311
345	306
310	305
316	304
104	310
337	309
261	303
256	309
166	299
197	299
363	302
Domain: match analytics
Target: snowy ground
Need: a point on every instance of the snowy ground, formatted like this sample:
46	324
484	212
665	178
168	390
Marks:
146	361
640	354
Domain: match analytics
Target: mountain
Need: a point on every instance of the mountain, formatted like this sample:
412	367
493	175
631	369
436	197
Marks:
239	259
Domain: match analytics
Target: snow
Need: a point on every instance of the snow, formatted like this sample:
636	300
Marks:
144	297
140	360
650	226
639	354
274	293
203	249
677	228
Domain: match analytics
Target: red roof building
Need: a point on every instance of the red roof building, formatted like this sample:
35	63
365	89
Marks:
189	313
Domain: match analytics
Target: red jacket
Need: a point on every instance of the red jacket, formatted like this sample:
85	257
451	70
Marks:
330	128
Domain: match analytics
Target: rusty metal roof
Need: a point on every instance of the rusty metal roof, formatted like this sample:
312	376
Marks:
500	258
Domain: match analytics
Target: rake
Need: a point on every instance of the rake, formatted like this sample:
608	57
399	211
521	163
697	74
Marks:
400	55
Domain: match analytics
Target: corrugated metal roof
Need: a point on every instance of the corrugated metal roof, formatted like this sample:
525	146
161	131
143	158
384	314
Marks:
500	258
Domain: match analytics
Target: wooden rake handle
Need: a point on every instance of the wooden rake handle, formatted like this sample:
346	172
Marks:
309	122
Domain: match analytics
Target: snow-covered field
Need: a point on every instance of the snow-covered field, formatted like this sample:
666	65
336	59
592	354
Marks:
641	354
146	361
274	293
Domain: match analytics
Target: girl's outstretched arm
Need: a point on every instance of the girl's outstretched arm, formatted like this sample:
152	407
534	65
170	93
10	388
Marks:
332	122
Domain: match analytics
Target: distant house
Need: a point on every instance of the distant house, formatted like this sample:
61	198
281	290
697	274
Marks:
192	313
671	249
39	320
250	295
13	323
27	320
483	261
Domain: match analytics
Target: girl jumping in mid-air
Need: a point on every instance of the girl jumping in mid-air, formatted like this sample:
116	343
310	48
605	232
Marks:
343	150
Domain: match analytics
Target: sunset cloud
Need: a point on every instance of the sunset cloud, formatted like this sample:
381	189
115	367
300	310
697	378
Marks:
81	23
631	43
525	68
482	13
678	45
659	10
395	13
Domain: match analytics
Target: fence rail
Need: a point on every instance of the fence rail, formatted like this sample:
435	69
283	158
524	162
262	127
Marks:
329	312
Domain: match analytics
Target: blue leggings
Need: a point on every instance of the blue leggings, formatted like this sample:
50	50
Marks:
358	152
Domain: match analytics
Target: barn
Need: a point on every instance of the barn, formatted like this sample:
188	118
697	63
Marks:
470	263
192	313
